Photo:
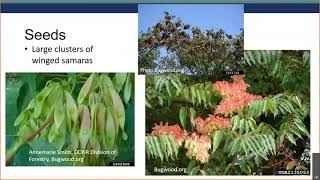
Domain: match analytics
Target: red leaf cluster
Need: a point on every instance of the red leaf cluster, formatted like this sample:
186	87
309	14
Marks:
174	130
211	124
234	95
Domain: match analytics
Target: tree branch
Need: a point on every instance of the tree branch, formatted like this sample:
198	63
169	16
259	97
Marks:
28	139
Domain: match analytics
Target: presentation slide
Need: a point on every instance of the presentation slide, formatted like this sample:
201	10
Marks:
147	89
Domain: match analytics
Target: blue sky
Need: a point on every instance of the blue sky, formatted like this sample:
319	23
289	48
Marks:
228	17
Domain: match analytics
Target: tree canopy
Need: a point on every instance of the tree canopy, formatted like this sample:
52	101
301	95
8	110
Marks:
171	43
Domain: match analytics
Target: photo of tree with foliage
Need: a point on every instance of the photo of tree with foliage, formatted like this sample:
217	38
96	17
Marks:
175	46
256	123
69	119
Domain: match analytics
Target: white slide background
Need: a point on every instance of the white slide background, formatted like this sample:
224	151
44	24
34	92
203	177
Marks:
114	37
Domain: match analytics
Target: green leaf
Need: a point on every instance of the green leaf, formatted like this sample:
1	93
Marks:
227	169
235	146
193	94
175	84
244	147
165	146
91	99
101	120
205	97
193	115
24	116
49	105
12	90
252	124
74	138
85	128
105	79
24	132
148	104
168	87
297	101
59	113
110	129
52	133
245	168
119	112
173	145
249	143
247	126
158	147
235	122
58	138
295	131
198	95
158	82
183	116
119	80
292	139
169	147
148	148
153	148
264	144
127	89
85	89
242	126
272	108
194	171
302	128
204	173
217	139
185	92
93	116
71	107
73	78
160	98
94	143
30	79
265	105
40	99
191	165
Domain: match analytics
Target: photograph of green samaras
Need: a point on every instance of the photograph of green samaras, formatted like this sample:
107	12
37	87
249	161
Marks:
69	119
190	39
256	123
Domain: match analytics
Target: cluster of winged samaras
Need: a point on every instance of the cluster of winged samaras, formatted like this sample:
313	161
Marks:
234	95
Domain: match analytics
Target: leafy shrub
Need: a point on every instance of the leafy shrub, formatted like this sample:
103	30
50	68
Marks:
229	126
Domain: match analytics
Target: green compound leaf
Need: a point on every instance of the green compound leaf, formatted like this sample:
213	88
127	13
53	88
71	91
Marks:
183	113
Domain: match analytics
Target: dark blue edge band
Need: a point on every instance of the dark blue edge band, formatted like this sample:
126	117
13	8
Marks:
133	7
69	7
281	8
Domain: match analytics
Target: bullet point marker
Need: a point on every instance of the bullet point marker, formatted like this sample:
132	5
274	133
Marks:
25	48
